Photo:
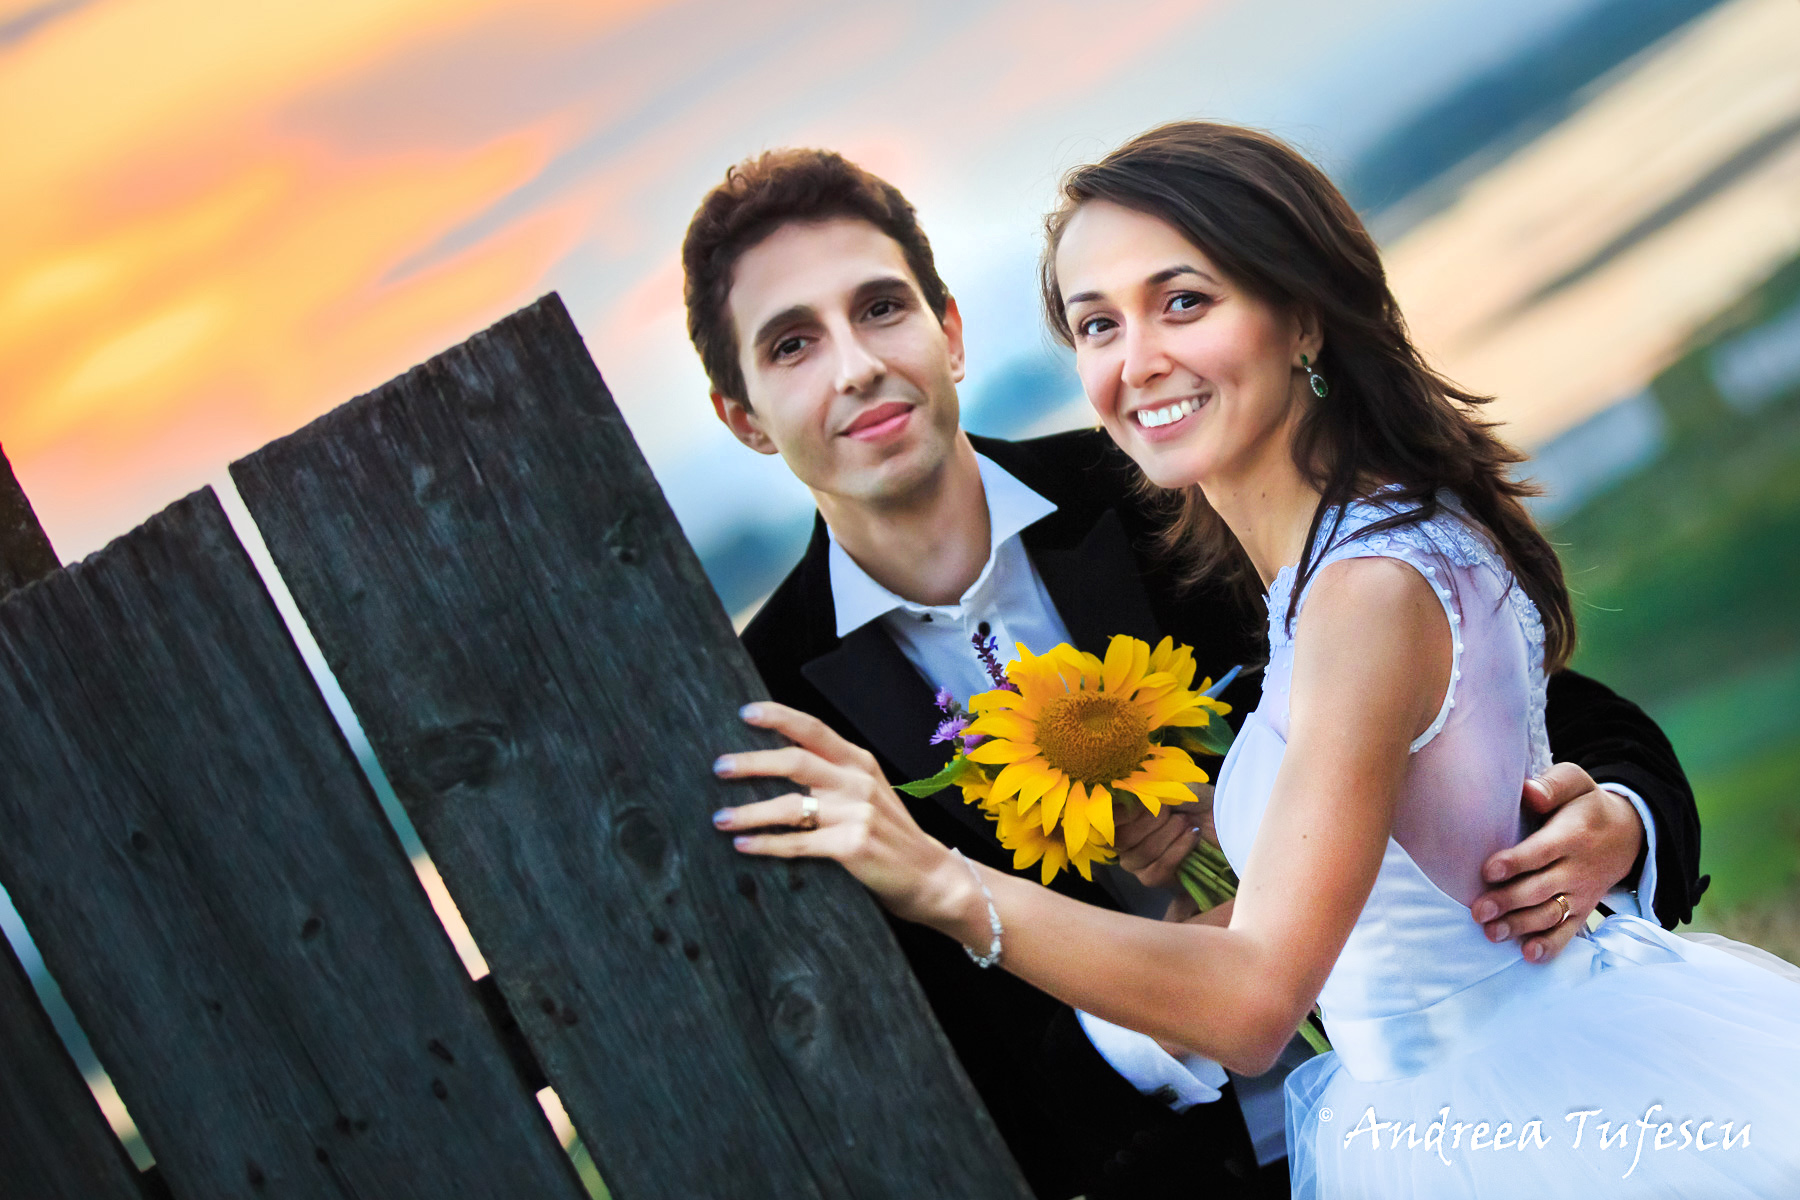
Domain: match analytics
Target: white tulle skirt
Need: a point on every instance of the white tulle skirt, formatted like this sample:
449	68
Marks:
1638	1063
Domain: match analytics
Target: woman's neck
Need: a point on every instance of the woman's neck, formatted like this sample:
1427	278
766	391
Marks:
1269	508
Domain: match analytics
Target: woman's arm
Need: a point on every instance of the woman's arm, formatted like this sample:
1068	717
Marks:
1371	664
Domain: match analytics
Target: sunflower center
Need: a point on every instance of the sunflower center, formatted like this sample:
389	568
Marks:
1097	739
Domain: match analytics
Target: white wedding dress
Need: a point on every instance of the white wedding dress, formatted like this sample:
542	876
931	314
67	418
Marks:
1637	1063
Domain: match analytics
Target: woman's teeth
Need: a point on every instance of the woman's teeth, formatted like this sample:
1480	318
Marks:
1152	417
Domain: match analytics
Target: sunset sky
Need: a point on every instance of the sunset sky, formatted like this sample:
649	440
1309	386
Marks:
225	219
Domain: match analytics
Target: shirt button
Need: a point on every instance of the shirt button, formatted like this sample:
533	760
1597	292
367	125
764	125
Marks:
983	628
925	617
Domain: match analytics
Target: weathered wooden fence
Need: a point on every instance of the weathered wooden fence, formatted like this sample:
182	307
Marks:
545	675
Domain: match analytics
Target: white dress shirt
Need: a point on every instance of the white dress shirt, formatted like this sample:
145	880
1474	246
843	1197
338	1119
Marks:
1007	598
1008	601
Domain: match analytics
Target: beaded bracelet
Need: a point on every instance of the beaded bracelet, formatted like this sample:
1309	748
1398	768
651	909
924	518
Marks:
992	957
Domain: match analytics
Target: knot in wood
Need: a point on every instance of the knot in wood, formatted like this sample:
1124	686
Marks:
465	755
641	840
794	1013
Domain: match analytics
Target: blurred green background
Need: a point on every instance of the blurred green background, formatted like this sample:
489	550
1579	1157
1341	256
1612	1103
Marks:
1686	575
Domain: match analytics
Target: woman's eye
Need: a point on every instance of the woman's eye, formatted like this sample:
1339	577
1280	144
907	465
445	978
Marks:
1094	326
1186	301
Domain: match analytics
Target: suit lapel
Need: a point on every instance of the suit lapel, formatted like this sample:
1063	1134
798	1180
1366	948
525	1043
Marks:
869	681
872	684
1093	582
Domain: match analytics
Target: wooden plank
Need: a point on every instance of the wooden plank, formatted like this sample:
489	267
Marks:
54	1141
208	876
25	552
554	678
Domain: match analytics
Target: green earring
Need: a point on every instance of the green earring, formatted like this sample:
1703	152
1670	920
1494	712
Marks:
1320	388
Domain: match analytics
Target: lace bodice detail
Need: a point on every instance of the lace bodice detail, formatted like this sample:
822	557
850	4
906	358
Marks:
1415	942
1449	539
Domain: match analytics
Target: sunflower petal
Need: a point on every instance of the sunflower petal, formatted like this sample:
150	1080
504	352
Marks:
1075	822
1070	670
1055	858
1002	751
999	698
1118	663
1010	724
1057	796
1056	806
1014	776
1100	812
1164	652
1033	789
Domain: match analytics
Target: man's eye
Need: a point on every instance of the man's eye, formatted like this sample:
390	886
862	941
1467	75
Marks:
787	347
884	308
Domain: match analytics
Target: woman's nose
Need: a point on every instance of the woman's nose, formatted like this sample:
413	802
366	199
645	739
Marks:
1145	358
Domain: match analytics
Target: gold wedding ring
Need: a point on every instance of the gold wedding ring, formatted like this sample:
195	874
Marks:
809	813
1561	898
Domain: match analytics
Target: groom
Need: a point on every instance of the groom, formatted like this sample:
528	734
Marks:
829	339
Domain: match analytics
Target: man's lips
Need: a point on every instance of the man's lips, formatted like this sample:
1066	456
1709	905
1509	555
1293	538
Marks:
879	421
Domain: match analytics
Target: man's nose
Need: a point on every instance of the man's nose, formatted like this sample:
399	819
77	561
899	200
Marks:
859	368
1145	358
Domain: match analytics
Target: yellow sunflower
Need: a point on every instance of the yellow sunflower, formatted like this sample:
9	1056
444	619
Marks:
1079	728
978	789
1028	841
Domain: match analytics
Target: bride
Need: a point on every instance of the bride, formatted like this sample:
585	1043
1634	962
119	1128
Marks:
1235	334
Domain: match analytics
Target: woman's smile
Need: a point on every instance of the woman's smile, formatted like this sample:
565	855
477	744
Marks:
1159	421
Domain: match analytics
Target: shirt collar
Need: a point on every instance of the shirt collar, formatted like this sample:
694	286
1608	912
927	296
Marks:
1012	507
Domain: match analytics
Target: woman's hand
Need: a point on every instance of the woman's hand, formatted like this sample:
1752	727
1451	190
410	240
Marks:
855	818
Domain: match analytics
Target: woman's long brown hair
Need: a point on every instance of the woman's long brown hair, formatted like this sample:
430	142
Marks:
1278	227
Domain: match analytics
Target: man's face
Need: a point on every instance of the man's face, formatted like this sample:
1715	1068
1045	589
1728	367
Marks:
851	377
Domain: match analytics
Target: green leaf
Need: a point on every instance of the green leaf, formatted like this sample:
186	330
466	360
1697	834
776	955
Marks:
1214	737
952	774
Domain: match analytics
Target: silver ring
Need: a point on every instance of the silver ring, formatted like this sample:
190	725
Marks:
1563	900
809	813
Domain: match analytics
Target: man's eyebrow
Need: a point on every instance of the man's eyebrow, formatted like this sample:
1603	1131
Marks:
792	315
883	283
1161	277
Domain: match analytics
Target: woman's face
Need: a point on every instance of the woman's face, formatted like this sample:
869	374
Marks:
1193	376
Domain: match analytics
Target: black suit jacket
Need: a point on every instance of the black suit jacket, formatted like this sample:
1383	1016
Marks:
1075	1125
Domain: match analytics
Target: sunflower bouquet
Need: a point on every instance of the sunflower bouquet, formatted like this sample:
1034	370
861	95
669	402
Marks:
1061	734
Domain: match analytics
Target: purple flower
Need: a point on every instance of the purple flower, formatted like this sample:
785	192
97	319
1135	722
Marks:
972	740
949	729
946	703
987	649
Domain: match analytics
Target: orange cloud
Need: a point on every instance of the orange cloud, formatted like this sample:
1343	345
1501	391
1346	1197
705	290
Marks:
183	275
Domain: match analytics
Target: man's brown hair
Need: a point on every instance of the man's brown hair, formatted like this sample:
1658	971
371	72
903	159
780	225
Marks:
759	196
